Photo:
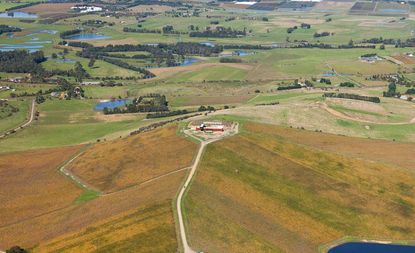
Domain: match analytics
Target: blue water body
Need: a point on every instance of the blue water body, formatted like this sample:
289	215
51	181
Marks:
209	44
364	247
111	104
238	53
87	36
189	61
44	31
393	10
17	14
329	74
39	42
66	60
30	47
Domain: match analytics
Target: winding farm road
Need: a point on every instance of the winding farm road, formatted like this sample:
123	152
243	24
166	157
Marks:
32	116
203	144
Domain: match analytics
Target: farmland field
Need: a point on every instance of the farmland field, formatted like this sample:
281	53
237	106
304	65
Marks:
258	181
157	122
133	160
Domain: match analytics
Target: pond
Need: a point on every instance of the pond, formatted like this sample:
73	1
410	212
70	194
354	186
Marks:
17	14
111	104
87	36
208	44
238	53
65	60
31	47
189	61
371	247
393	10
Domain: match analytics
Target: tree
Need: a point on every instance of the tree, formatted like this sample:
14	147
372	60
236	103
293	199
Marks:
391	90
79	72
16	249
91	62
40	99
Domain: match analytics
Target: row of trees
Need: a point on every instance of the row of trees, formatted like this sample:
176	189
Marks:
352	96
219	32
9	29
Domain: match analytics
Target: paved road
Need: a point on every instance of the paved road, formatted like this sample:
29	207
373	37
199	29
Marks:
32	116
192	172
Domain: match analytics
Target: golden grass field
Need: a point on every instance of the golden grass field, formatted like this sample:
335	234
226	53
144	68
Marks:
119	164
31	184
132	231
280	194
75	218
131	219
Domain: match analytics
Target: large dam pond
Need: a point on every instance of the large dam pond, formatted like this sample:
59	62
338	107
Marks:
371	247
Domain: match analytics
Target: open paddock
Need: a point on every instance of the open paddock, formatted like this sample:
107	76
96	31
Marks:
49	9
405	59
76	219
119	164
32	185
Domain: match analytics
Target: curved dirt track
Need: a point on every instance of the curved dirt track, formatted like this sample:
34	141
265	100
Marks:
31	117
344	116
203	144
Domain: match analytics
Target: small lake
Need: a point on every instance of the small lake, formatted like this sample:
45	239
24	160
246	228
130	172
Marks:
111	104
393	10
238	53
31	47
17	14
208	44
66	60
189	61
371	247
87	36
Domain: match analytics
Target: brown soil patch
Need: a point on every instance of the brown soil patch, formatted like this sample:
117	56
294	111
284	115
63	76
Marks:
48	9
404	59
150	8
118	117
119	164
31	184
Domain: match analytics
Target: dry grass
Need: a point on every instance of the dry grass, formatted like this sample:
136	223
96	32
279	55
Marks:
381	151
123	163
150	8
48	10
404	59
149	229
31	184
276	196
72	219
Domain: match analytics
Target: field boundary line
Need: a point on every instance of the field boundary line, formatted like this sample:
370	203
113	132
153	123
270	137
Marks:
74	178
146	182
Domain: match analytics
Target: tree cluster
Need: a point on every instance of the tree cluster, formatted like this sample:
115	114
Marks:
352	96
